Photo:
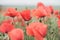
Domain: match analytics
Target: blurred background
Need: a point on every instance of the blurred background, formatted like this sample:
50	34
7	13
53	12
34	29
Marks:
21	4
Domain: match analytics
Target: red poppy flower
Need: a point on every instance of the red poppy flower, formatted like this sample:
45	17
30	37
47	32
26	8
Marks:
42	12
36	29
48	11
34	33
26	14
20	19
37	36
19	16
11	12
56	12
51	8
40	4
29	31
58	16
16	34
39	12
6	27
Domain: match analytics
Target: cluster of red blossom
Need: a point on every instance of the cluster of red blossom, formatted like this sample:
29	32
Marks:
36	29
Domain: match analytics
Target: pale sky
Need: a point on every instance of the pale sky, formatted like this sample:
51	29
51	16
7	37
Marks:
29	2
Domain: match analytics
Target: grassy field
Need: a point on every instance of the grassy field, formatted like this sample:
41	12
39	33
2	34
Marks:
52	20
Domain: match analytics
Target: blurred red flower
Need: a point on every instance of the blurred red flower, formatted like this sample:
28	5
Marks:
56	12
39	4
37	30
11	12
20	19
39	12
58	16
51	9
48	11
26	14
6	27
30	31
16	34
37	36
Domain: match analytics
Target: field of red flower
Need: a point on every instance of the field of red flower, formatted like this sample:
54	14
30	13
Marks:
40	23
